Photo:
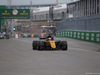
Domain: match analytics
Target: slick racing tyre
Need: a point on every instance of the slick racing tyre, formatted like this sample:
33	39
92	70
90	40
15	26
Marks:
41	45
35	45
64	45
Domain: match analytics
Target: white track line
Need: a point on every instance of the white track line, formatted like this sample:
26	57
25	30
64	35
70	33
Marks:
78	49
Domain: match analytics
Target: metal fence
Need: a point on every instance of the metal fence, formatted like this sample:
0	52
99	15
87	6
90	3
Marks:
89	23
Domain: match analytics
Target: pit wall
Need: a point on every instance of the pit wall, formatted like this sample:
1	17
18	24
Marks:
80	35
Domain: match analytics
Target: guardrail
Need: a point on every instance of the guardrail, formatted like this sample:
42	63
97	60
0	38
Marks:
81	35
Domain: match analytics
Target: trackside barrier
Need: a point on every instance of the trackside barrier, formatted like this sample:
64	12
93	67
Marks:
81	35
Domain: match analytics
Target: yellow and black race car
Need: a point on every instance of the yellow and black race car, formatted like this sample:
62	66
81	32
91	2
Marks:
49	43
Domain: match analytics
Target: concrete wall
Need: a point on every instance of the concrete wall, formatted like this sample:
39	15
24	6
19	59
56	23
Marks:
80	35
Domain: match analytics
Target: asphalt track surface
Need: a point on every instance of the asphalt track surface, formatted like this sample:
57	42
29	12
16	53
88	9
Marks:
18	58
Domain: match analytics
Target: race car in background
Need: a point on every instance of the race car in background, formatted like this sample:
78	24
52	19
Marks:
1	36
4	35
49	43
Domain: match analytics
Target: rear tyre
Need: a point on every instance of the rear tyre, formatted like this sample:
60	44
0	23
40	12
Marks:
35	45
64	45
41	45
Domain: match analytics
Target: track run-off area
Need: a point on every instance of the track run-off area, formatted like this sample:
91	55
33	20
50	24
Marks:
18	58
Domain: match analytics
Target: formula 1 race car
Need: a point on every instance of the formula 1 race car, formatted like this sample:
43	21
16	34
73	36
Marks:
4	35
49	43
1	36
